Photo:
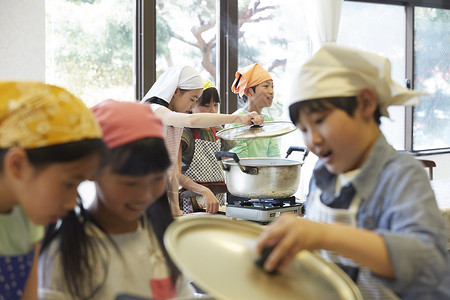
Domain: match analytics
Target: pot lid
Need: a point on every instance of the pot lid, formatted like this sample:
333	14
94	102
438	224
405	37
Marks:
218	254
249	132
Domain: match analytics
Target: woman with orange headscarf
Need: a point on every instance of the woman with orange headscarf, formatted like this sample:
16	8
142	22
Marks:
254	86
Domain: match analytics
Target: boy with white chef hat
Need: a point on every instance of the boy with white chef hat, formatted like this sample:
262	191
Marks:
370	209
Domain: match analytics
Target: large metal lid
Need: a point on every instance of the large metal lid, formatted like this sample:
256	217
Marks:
218	254
250	132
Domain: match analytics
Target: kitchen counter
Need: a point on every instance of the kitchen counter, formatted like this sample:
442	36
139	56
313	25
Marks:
441	189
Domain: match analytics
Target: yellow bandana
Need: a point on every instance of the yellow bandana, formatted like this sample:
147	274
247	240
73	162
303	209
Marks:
34	114
207	84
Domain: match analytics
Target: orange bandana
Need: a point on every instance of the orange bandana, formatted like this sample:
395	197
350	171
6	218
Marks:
247	77
35	114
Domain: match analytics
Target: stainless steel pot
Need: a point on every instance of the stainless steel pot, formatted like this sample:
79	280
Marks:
263	178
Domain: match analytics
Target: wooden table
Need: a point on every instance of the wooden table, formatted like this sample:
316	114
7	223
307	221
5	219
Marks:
441	189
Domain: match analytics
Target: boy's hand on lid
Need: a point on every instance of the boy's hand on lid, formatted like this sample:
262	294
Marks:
287	236
252	118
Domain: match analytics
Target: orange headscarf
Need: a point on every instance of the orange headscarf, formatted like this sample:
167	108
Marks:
247	77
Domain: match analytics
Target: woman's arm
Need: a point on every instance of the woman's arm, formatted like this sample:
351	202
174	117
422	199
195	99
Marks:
212	204
174	186
204	120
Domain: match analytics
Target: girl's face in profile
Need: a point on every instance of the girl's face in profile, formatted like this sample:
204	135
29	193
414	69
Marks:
47	194
184	101
127	197
210	107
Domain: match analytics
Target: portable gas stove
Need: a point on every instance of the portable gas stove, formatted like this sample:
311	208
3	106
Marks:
261	210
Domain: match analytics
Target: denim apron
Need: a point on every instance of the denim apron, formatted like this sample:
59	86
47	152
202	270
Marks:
317	211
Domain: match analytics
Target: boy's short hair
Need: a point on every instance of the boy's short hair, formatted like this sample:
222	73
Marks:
347	104
244	98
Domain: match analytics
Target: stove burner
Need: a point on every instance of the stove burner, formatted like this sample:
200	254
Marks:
262	211
261	203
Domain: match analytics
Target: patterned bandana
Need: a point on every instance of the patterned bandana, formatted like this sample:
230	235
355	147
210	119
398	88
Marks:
124	122
34	114
337	71
247	77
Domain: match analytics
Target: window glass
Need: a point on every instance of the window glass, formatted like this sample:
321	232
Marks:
431	119
379	29
186	34
89	48
273	34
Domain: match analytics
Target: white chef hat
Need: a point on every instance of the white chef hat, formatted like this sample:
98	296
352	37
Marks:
181	76
336	71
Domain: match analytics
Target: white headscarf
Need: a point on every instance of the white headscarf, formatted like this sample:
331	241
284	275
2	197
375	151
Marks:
336	71
181	76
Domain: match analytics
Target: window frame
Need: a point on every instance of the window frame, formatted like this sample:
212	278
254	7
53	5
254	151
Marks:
227	53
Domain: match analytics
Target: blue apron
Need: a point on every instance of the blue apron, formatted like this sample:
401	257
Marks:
14	271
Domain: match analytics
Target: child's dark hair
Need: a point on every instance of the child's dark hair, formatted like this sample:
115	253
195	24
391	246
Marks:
60	153
160	101
207	95
244	98
78	250
157	100
347	104
141	157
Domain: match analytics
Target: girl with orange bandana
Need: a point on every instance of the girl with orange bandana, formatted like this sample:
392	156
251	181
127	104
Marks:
49	143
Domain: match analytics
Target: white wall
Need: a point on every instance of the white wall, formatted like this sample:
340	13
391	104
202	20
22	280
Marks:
442	161
22	39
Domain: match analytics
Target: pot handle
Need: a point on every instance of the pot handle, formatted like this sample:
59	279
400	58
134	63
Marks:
297	148
235	157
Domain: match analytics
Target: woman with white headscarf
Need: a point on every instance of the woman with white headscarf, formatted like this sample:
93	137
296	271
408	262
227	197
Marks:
172	97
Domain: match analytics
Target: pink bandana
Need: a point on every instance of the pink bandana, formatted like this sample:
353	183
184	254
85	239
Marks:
124	122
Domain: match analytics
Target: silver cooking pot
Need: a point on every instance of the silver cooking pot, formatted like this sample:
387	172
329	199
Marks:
263	178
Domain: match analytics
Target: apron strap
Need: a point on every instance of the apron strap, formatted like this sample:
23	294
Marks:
214	131
194	131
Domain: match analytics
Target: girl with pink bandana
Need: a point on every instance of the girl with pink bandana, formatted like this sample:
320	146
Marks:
114	248
172	98
49	143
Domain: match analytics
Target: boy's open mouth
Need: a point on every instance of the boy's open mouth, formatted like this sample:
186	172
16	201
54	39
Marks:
325	154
